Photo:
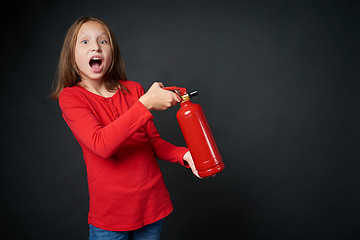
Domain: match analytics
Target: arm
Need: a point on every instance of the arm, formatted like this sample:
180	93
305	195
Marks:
102	140
164	150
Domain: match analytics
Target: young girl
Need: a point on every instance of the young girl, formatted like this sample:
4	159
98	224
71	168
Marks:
110	118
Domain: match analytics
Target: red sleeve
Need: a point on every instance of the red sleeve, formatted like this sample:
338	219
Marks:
102	140
164	150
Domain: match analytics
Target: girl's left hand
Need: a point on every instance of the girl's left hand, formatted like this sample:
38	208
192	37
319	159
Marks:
187	157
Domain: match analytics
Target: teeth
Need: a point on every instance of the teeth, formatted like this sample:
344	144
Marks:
95	58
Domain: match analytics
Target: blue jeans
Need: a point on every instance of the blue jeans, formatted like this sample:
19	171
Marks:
147	232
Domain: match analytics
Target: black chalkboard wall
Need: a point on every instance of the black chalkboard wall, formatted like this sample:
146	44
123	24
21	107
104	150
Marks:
278	81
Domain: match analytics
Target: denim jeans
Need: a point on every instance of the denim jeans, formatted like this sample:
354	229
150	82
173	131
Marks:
147	232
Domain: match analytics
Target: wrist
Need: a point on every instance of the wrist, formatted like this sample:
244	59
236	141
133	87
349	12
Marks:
144	100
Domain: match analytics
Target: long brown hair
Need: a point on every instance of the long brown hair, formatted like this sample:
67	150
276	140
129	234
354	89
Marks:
67	74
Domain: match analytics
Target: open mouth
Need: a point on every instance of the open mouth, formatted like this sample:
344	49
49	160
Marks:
96	64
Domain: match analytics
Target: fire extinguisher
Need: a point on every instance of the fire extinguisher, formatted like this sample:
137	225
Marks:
197	134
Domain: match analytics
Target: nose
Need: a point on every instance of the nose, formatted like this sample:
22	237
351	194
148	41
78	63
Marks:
96	47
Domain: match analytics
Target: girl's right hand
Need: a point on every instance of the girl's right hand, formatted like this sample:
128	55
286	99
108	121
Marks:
159	99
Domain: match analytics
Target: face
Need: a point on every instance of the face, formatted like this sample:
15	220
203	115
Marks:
93	54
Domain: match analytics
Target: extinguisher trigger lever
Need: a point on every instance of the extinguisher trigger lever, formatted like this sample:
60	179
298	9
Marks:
178	93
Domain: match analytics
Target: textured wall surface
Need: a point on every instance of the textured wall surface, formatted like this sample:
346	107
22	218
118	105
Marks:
278	81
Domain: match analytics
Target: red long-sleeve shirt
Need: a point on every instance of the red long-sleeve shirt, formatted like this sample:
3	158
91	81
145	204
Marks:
120	143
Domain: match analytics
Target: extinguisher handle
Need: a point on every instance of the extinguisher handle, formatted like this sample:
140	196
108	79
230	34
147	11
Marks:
179	90
175	89
170	88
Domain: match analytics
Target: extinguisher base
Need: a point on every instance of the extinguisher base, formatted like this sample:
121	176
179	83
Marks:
211	171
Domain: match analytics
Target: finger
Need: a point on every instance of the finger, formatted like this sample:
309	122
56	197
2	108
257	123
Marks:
197	174
193	169
161	84
177	98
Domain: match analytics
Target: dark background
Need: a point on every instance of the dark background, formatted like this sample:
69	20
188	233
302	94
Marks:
277	81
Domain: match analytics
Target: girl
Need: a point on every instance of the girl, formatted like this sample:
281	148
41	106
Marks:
110	118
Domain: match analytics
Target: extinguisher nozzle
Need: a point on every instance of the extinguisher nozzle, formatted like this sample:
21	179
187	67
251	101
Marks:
193	93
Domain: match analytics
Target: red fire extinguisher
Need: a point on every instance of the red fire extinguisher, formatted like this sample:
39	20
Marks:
197	134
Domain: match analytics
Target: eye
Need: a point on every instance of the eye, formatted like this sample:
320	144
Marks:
85	41
103	42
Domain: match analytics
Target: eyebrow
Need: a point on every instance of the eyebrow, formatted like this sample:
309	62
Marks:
86	34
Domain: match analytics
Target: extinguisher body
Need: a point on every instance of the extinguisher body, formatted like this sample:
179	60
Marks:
199	139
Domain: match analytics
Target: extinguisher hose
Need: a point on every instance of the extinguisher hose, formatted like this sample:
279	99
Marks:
193	94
